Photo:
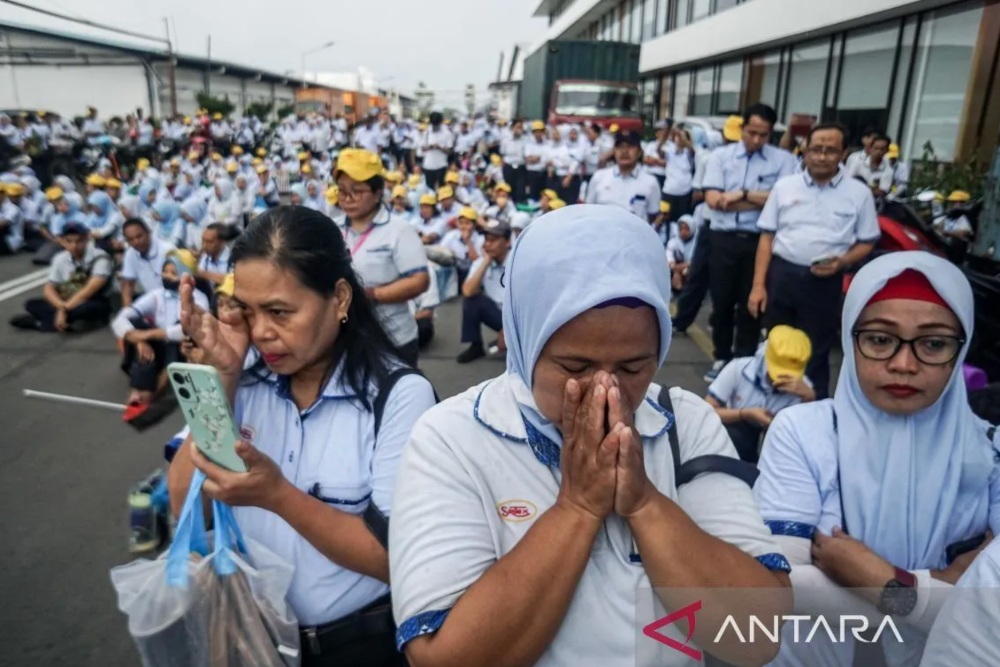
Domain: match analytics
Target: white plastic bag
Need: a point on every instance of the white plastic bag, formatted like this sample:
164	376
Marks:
193	607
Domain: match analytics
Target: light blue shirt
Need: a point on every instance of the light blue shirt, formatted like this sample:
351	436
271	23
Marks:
638	191
492	284
731	168
330	451
810	221
744	384
13	231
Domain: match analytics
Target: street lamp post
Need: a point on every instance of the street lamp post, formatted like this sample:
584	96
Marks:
311	51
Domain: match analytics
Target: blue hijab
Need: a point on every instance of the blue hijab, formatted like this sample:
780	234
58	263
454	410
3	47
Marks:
168	213
565	263
911	485
72	214
194	208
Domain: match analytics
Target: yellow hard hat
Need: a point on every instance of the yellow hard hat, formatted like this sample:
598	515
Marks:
236	150
452	177
399	191
958	196
142	164
446	192
428	200
394	176
261	152
96	180
537	126
54	193
469	213
414	180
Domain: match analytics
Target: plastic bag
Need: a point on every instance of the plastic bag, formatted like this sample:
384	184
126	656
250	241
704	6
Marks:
209	606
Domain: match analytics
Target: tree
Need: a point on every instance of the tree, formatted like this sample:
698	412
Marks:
930	173
286	110
261	110
215	104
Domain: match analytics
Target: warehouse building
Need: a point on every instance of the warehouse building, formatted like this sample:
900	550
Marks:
42	69
923	70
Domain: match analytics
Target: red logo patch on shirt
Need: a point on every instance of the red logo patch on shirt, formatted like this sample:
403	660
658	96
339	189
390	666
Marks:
515	511
247	433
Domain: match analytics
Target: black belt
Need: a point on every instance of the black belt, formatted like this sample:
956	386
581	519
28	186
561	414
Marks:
369	621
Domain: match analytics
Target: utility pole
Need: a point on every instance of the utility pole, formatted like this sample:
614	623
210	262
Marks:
171	70
208	68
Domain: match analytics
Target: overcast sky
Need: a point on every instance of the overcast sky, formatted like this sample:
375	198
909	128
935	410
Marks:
445	43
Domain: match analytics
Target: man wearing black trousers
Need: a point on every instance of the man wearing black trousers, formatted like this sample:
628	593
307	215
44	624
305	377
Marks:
814	225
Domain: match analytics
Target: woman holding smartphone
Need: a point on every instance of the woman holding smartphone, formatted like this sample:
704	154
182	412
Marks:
891	485
321	467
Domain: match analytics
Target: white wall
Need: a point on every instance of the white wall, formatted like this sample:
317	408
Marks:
757	24
115	90
575	17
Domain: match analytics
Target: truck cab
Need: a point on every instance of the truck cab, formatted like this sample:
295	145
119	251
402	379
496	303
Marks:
607	103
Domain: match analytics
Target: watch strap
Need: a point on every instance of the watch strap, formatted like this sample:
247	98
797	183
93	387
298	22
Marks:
906	578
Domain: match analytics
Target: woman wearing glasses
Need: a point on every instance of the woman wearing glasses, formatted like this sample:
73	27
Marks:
892	485
386	252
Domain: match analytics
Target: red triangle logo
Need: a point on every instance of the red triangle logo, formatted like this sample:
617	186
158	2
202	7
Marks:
687	612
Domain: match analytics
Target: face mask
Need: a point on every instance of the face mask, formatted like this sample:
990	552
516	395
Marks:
171	285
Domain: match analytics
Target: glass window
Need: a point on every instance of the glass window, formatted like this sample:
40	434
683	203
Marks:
730	87
831	95
636	35
627	20
898	103
614	29
865	77
648	19
763	78
704	85
940	80
682	13
648	101
682	95
700	9
666	96
723	5
662	16
808	75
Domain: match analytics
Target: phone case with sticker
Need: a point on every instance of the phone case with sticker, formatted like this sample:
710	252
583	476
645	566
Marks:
206	410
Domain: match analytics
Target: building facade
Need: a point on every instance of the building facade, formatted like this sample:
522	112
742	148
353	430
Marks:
922	71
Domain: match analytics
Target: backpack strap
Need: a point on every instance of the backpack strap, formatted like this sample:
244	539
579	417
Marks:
699	465
377	522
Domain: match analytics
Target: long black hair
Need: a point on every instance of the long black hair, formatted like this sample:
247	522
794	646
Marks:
309	245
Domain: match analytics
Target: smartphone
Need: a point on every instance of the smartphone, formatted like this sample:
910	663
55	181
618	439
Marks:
203	401
953	551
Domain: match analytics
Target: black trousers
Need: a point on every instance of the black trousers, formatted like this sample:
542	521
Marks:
96	310
477	311
143	375
799	299
746	439
536	181
434	177
409	352
696	288
374	651
425	331
731	265
570	194
515	178
679	205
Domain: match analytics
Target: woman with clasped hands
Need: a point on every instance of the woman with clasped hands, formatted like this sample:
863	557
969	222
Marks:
536	509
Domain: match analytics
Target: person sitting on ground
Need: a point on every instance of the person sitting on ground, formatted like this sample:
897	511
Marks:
76	291
483	290
680	251
105	222
750	391
430	225
151	329
11	219
465	243
142	265
213	260
503	208
954	223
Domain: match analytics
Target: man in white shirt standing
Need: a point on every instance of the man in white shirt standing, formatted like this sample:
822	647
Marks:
875	170
654	152
536	157
626	184
814	225
512	152
437	143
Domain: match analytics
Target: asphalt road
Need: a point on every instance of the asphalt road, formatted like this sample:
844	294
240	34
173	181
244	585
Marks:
65	472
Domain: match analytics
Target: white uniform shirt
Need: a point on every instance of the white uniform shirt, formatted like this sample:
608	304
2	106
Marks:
562	161
330	451
810	221
220	265
95	262
367	138
436	158
743	384
638	192
512	151
679	251
655	150
475	482
679	172
147	269
453	242
880	177
390	251
161	308
533	148
492	283
13	231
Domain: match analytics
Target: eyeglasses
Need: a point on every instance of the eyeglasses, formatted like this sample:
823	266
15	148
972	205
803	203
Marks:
824	151
934	350
350	195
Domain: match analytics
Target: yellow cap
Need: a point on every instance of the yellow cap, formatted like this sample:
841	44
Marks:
428	200
261	152
893	152
53	193
537	126
452	177
185	257
304	155
216	157
787	353
959	196
257	162
422	127
96	180
556	204
551	194
394	176
664	207
217	116
232	167
359	164
503	187
193	155
732	129
236	150
113	183
446	192
142	164
469	213
414	180
496	159
14	189
262	169
307	169
613	128
399	191
332	195
40	113
187	120
228	286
